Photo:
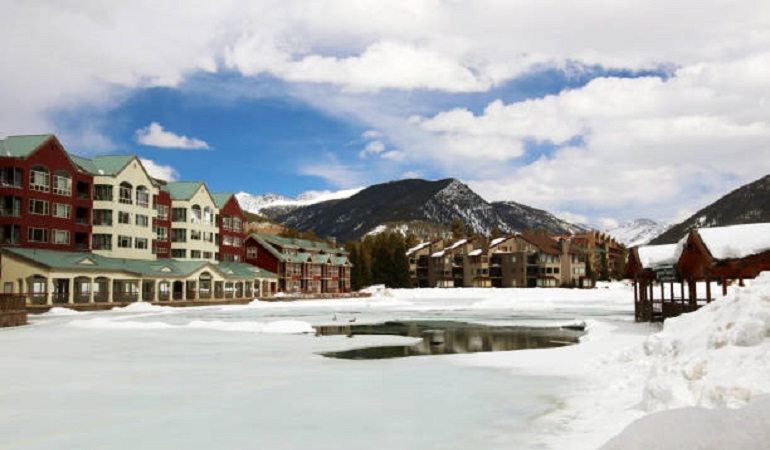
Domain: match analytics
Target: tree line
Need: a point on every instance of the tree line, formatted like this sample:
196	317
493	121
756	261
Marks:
380	259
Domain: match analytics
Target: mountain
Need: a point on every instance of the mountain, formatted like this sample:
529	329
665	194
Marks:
441	202
747	204
256	203
637	232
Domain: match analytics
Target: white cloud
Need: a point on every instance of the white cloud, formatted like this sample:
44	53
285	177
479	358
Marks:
161	172
154	135
372	148
608	223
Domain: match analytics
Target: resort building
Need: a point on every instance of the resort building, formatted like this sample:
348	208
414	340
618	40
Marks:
302	266
50	278
518	260
45	197
231	233
122	206
193	221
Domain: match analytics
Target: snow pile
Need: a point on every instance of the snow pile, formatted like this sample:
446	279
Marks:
143	307
59	311
718	356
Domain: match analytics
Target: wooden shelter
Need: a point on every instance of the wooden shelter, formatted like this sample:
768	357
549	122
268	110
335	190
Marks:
707	255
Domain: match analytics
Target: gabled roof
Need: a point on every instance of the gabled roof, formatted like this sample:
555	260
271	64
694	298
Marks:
221	198
183	190
22	146
544	243
736	241
243	270
300	244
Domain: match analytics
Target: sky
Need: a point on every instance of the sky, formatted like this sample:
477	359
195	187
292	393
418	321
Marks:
600	112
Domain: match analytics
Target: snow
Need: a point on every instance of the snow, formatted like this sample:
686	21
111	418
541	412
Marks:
653	256
417	247
736	241
497	241
256	203
251	376
637	232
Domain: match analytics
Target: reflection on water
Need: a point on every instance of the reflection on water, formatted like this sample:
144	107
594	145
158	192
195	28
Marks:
446	337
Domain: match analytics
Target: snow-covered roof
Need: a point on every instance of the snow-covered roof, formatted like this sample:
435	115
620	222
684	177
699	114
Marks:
476	252
497	241
652	256
458	243
420	246
736	241
438	254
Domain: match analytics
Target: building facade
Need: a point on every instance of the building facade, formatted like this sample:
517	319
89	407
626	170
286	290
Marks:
231	234
302	266
194	228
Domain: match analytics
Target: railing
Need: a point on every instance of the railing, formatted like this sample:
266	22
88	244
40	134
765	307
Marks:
125	296
39	298
60	297
82	298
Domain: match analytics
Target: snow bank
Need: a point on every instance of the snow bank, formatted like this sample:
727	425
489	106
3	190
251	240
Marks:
142	307
59	311
718	356
275	327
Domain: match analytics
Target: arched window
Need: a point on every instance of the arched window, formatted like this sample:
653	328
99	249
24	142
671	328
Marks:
62	183
39	179
126	193
208	216
142	197
197	214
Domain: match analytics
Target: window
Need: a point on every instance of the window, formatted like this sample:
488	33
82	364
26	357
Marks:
102	242
195	235
162	212
38	207
178	235
142	220
61	237
207	255
61	210
103	217
237	224
226	223
178	253
62	183
141	243
159	249
197	214
125	193
179	215
37	235
195	254
227	240
124	217
251	252
124	241
39	179
237	242
142	197
161	234
103	192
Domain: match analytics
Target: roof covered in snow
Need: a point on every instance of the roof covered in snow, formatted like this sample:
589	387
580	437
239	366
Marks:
736	241
653	256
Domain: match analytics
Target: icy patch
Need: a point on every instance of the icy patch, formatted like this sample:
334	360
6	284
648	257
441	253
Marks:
276	327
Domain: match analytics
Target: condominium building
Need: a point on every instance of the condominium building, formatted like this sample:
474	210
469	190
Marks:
302	266
193	221
122	206
231	233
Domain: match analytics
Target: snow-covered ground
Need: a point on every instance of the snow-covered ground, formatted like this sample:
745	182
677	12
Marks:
251	376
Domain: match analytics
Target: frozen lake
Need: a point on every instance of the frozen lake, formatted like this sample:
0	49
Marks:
248	377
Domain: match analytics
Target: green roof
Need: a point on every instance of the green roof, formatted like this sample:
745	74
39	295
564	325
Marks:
182	190
152	268
109	165
22	146
221	198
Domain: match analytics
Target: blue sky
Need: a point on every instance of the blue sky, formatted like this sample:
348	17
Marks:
599	113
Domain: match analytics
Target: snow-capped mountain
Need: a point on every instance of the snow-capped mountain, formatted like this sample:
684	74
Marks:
637	232
409	201
257	203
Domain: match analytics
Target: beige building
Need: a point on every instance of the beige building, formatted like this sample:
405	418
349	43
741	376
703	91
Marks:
51	277
194	229
122	206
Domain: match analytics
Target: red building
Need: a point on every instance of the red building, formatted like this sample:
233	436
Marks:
231	234
302	266
45	199
161	223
